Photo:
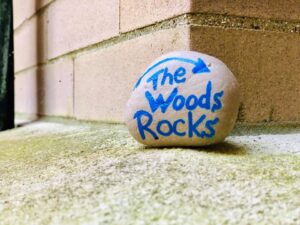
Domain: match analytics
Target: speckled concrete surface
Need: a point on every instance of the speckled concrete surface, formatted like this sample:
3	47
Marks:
54	173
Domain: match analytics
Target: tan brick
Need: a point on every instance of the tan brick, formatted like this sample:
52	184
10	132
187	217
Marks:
105	78
276	9
25	9
47	90
79	23
135	14
266	65
30	43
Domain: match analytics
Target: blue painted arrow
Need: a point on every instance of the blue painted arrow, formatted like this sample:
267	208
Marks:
200	67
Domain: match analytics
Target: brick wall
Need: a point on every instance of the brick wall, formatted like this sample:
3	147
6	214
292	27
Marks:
80	58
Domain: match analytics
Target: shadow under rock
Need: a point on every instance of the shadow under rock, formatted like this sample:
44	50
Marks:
225	148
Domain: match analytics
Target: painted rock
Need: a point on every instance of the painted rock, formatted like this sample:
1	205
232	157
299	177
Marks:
183	98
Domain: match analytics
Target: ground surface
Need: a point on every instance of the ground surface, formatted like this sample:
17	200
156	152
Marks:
66	173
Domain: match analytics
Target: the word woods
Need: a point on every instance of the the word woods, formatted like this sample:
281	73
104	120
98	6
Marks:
183	98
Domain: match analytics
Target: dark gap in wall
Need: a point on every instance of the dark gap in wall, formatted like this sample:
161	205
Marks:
40	52
6	66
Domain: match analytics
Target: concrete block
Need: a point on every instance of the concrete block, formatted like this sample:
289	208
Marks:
56	88
266	65
135	14
105	78
79	23
26	94
47	90
31	43
25	9
279	9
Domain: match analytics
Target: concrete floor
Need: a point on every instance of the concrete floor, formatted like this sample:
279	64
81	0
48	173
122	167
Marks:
84	173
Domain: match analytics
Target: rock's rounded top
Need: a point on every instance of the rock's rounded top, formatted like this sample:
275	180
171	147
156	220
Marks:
183	98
